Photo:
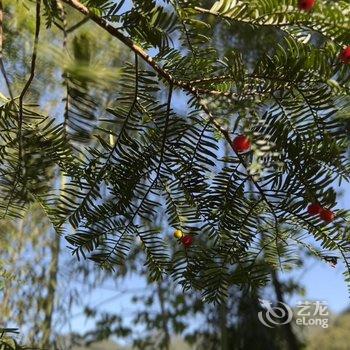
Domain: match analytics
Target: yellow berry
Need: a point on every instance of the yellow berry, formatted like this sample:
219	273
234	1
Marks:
178	234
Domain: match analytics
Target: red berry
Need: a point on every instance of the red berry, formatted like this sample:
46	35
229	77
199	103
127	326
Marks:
327	215
306	5
187	241
241	144
345	55
314	209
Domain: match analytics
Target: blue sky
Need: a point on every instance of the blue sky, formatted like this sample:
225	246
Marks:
323	282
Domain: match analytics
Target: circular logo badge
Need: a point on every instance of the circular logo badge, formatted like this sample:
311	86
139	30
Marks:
274	315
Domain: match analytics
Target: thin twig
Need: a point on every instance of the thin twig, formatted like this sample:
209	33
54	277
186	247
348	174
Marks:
31	77
77	25
20	109
216	79
183	24
65	76
2	66
64	22
101	172
135	48
155	180
227	136
185	85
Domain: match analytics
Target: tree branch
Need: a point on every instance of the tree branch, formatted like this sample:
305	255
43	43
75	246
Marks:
139	51
168	77
31	77
2	67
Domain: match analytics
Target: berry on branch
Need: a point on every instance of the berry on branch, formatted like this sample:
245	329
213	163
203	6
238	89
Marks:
187	241
345	55
306	5
241	144
327	215
314	209
178	234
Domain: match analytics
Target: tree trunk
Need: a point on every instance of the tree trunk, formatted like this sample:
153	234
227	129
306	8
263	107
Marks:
5	308
51	292
165	316
291	339
223	326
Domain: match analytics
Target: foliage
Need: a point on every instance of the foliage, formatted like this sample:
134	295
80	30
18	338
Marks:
36	295
122	167
7	341
162	312
334	337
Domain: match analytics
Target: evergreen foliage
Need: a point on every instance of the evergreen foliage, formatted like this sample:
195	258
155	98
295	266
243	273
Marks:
7	341
119	169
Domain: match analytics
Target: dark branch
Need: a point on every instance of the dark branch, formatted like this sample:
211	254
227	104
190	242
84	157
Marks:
2	67
31	77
